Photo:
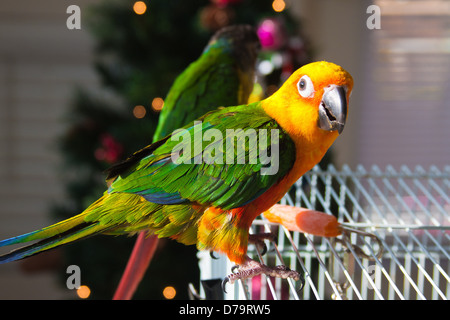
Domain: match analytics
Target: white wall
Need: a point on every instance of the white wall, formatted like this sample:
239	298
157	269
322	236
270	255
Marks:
400	109
40	63
337	31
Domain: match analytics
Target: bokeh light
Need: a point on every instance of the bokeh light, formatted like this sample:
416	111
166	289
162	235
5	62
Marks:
83	292
139	111
169	292
139	7
278	5
157	104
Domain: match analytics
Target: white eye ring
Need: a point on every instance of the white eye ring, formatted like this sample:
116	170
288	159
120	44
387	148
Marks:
305	87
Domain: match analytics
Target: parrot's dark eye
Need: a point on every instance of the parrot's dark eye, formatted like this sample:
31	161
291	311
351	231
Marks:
302	84
305	87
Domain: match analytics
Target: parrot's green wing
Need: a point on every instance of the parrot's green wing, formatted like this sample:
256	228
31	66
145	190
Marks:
185	169
222	76
204	92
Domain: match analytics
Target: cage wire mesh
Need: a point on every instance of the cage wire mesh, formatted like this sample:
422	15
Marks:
398	247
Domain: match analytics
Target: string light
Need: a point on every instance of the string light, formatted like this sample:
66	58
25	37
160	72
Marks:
157	104
169	292
83	292
265	67
139	111
139	7
278	5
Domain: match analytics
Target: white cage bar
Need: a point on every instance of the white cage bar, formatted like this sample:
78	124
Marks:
400	247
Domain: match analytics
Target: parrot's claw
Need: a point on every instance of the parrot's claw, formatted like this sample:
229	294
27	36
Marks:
234	268
211	254
251	268
224	284
258	240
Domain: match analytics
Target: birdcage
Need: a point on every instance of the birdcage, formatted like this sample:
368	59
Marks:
396	247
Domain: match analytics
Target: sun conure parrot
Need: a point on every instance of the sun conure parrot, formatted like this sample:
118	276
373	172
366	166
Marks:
222	76
172	188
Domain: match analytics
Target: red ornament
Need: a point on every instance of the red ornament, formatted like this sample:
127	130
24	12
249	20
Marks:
110	150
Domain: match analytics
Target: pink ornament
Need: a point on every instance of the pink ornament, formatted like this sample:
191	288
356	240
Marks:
224	3
271	34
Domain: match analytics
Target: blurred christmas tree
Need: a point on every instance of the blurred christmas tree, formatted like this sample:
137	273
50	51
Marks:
141	48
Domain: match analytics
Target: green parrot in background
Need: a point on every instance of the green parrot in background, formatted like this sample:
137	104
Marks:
223	75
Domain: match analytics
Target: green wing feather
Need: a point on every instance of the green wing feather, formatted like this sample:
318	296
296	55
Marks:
160	179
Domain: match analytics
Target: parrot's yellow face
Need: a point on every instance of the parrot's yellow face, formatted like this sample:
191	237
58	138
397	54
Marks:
312	105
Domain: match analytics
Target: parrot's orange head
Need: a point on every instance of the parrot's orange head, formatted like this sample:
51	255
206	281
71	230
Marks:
312	105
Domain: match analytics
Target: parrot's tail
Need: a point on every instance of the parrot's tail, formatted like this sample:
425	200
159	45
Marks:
70	230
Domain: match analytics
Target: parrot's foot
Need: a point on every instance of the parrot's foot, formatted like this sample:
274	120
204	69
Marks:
258	240
251	268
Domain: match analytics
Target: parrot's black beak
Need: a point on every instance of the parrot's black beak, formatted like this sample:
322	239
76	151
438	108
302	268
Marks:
333	109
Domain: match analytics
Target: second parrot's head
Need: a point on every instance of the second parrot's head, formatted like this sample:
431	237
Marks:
241	42
312	104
